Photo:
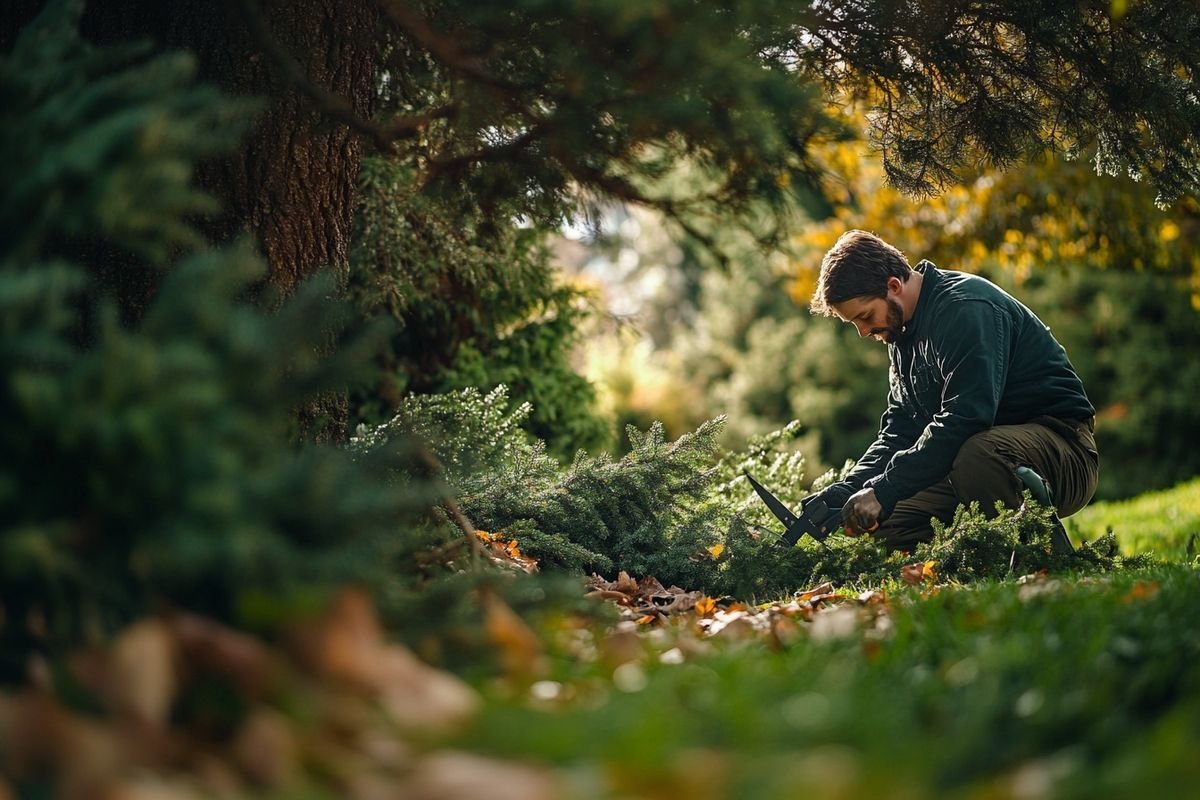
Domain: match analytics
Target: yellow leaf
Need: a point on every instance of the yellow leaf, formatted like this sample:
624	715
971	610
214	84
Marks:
716	550
930	570
705	606
645	620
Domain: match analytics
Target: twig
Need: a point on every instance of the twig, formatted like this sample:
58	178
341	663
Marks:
439	46
450	505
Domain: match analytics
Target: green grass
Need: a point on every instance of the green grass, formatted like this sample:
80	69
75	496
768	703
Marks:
1158	522
1087	687
1067	685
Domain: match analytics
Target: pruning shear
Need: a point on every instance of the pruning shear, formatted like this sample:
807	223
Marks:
815	518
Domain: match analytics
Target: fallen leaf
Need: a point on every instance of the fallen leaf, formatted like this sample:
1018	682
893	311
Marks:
265	749
716	550
420	697
705	606
450	775
344	642
625	584
520	650
231	654
918	572
837	622
650	585
140	679
784	631
619	647
1141	590
736	627
817	591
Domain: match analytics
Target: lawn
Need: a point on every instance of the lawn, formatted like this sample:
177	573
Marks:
1157	522
1039	686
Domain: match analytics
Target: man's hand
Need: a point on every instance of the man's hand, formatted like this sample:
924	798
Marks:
861	512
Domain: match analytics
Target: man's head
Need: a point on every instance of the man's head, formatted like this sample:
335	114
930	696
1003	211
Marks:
863	281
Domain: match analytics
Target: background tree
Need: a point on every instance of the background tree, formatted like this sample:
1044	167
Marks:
547	102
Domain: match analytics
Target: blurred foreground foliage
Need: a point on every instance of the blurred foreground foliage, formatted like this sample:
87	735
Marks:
152	463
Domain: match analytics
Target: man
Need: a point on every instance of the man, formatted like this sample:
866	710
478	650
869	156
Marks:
978	388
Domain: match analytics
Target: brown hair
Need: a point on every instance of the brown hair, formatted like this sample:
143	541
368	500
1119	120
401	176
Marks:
858	265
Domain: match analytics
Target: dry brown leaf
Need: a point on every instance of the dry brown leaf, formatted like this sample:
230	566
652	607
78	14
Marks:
140	674
265	749
649	586
520	650
837	622
41	736
918	572
235	656
453	775
784	631
343	643
737	627
817	591
609	594
621	646
150	787
420	697
625	584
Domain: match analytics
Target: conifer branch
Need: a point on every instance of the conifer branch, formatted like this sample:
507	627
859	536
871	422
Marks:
441	47
332	104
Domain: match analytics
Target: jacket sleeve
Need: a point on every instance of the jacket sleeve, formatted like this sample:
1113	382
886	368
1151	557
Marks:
970	347
897	431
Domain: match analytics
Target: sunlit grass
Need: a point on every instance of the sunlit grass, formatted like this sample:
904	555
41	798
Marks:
1157	522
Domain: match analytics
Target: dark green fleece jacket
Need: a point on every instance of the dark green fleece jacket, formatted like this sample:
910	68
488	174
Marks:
972	357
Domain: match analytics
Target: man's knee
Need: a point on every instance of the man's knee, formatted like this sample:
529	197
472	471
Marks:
981	472
978	454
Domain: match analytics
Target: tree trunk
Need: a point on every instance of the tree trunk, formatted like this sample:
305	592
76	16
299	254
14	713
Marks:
292	183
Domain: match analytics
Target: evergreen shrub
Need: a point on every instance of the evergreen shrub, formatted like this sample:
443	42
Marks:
683	512
475	301
148	464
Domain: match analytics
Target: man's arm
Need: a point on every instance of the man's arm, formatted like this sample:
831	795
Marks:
896	432
972	357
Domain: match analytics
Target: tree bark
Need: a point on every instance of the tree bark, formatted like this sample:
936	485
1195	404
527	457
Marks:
292	183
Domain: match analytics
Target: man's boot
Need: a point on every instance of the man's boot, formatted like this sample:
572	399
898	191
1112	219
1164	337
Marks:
1039	488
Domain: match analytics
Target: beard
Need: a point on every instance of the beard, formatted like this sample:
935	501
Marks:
894	331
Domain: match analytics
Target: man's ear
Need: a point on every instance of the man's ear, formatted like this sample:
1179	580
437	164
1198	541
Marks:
894	286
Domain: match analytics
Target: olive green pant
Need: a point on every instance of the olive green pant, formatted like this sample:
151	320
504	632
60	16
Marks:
1062	452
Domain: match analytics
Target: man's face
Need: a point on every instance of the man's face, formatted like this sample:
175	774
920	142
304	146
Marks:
881	318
